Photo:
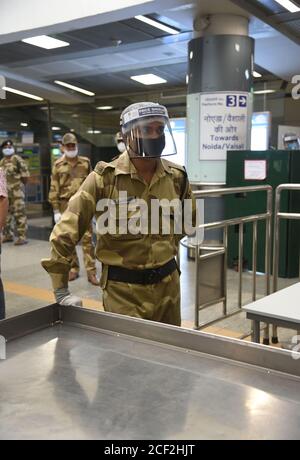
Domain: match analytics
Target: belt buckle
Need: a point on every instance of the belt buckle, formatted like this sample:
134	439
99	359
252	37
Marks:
152	276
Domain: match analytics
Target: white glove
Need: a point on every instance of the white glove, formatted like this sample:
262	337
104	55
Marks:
57	216
64	297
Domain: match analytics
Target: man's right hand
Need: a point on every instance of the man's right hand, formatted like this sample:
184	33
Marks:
64	297
57	216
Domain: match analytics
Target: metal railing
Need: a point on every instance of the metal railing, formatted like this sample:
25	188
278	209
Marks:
278	216
225	224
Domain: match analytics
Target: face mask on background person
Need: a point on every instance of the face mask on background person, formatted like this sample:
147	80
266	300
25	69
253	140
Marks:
121	147
71	153
8	151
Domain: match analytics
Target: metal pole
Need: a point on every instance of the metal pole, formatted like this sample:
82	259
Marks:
276	239
225	243
196	284
254	260
266	336
268	241
241	252
276	254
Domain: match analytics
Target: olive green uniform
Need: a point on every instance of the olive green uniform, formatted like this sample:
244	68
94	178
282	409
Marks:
157	302
15	170
65	182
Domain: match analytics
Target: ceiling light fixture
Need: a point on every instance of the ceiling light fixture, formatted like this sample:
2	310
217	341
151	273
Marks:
94	131
256	74
265	91
22	93
148	79
104	107
43	41
158	25
56	128
24	125
289	5
75	88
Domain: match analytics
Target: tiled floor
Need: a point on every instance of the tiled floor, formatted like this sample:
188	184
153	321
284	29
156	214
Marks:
27	286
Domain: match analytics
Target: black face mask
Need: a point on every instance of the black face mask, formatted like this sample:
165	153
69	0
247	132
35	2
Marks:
152	147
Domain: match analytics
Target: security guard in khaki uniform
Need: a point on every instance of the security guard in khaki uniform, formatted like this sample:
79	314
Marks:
17	173
140	277
120	142
68	173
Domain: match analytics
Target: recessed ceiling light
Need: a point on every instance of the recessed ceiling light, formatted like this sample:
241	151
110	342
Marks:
105	107
24	125
75	88
22	93
265	91
289	5
56	128
158	25
43	41
94	131
257	74
148	79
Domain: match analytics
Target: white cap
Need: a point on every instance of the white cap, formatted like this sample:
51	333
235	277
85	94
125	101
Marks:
140	110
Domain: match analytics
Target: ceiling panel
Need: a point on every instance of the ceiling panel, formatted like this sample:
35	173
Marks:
101	36
270	6
120	82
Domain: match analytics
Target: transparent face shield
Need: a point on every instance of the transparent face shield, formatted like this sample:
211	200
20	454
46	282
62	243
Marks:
149	137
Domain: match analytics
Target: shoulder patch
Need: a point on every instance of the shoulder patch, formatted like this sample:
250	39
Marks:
101	166
60	160
172	165
85	159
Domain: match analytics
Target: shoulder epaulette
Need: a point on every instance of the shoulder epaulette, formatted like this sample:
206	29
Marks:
85	159
101	166
175	166
60	160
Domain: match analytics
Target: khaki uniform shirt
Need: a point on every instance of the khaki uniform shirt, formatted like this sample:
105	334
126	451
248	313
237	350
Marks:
15	170
139	251
66	179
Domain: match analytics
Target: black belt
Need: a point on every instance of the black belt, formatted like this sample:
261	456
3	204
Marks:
147	276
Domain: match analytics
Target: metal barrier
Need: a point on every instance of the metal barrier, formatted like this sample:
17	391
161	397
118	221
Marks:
277	219
225	224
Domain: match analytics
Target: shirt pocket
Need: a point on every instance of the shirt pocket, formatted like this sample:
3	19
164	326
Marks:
127	225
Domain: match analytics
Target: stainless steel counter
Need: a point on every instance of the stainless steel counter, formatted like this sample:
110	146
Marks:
88	375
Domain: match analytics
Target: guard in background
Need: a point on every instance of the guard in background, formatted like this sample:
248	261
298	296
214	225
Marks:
140	277
17	173
120	142
68	173
3	214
